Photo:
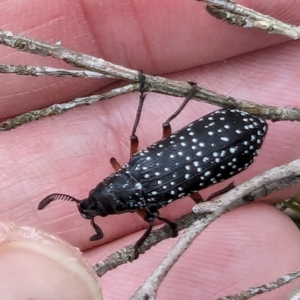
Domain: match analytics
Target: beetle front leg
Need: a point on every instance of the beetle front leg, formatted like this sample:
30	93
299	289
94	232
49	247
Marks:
166	127
134	141
99	232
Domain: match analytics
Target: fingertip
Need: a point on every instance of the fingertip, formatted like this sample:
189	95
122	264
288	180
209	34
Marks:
43	266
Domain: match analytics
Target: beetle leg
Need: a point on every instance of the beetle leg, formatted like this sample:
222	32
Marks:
172	225
142	239
99	232
227	188
134	141
196	197
166	127
149	217
114	163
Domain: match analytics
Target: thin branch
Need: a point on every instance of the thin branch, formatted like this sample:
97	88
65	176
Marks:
264	288
258	186
236	14
295	295
42	71
56	109
153	83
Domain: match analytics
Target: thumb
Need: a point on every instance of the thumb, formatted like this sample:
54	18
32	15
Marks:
43	266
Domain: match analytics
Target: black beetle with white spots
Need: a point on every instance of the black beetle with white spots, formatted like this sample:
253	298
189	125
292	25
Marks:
205	152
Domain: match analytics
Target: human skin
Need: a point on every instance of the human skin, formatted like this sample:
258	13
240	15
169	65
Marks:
70	153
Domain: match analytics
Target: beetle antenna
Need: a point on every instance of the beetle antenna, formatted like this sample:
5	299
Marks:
47	200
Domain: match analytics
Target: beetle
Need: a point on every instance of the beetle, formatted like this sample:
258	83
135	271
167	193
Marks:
205	152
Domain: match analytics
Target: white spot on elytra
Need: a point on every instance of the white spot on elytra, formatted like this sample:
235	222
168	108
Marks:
224	138
223	153
232	149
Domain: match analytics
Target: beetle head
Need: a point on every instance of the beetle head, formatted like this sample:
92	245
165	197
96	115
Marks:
88	208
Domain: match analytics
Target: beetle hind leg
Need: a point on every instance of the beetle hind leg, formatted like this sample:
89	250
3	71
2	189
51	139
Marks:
173	226
225	189
196	197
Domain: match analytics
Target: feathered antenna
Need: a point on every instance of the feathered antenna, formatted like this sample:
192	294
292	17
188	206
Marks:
47	200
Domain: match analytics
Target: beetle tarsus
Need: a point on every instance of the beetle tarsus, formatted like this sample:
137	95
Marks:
173	226
227	188
99	233
196	197
142	239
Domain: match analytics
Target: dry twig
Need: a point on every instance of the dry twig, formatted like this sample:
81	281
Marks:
56	109
224	9
232	13
264	288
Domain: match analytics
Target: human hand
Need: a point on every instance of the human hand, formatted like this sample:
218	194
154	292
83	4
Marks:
70	153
